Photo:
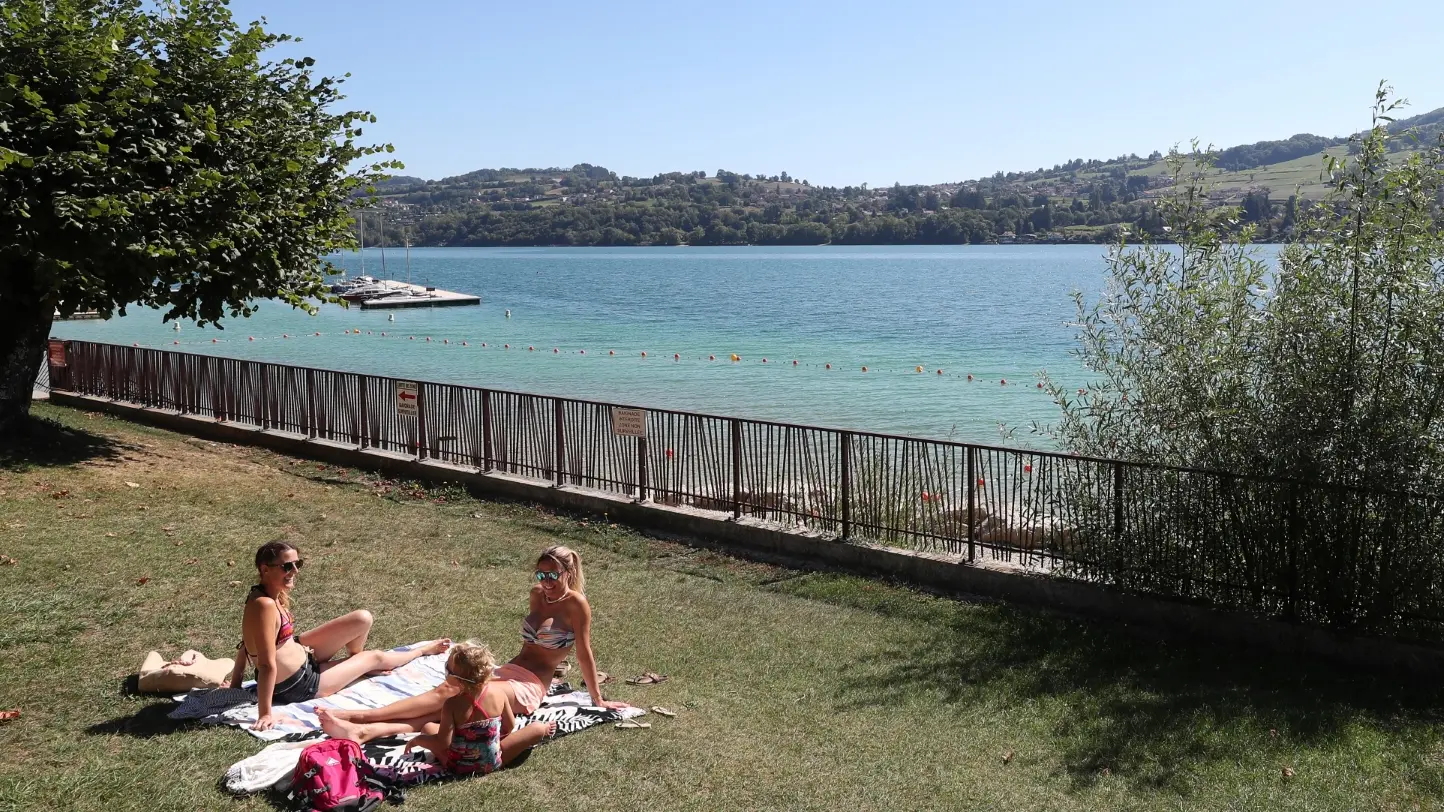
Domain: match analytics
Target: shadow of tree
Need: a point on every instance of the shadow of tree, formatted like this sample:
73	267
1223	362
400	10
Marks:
43	443
147	723
1151	711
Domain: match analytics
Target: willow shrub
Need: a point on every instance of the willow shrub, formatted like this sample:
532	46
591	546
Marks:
1315	382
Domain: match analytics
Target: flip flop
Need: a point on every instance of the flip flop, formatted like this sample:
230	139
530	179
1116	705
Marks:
561	670
658	709
631	725
9	715
649	678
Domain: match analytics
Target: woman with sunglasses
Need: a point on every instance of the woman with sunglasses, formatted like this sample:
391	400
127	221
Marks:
294	667
560	620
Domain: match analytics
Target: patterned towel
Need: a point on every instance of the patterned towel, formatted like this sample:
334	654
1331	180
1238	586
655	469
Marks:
272	767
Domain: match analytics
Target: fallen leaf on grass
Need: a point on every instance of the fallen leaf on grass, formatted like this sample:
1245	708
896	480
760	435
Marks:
476	515
180	542
7	561
191	560
235	583
1008	757
142	581
110	535
170	528
1288	772
1107	772
132	484
231	563
16	526
60	494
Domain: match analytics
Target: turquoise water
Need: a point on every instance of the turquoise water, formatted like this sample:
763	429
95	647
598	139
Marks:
995	312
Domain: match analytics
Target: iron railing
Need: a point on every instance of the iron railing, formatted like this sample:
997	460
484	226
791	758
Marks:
1333	556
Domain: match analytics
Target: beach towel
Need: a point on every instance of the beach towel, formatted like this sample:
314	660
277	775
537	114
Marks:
227	706
571	709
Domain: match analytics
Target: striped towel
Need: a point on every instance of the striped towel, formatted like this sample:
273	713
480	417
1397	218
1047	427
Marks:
299	719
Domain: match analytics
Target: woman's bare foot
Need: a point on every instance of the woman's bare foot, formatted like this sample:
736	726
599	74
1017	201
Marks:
338	728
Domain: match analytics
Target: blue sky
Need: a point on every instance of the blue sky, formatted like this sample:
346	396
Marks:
853	92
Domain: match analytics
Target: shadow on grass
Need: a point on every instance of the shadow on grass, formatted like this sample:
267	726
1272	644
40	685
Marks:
43	443
1154	712
147	723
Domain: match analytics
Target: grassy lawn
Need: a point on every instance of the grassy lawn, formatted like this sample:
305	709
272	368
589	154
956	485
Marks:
796	690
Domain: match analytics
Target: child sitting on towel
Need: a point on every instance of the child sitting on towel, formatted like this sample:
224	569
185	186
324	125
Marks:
476	733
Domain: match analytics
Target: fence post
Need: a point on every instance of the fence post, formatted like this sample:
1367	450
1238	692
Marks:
561	440
422	443
972	457
311	403
488	462
218	389
1117	504
263	373
736	468
642	469
363	431
846	452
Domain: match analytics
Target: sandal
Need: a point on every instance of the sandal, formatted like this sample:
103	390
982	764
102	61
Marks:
561	670
649	678
661	711
631	725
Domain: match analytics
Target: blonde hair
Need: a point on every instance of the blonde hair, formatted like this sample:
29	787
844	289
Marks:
472	662
570	562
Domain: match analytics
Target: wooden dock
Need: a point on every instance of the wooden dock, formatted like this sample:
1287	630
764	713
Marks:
418	296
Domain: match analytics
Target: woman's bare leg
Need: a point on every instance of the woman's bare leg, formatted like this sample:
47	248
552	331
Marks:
337	675
348	631
523	739
427	706
362	733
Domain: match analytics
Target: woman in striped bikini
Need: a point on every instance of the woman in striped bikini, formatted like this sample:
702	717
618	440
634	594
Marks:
560	620
294	667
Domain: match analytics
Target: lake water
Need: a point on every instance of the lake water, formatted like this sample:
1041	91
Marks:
995	312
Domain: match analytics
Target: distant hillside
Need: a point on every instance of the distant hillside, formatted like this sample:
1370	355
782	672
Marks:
1078	201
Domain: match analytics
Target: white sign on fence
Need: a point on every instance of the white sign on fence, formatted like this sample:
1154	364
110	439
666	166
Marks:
406	395
629	422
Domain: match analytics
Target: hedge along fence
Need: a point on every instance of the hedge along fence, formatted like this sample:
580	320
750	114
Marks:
1337	557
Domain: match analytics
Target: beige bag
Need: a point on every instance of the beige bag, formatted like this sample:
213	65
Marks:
157	676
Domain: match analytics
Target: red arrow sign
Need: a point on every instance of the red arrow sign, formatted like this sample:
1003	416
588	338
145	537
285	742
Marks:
405	396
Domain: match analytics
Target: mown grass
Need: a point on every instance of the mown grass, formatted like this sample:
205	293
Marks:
796	690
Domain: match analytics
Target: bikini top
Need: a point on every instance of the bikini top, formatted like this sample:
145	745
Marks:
548	636
288	623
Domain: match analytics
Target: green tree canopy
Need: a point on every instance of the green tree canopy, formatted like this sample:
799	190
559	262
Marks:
152	153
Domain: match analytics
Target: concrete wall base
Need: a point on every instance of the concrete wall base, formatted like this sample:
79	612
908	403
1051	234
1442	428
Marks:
754	539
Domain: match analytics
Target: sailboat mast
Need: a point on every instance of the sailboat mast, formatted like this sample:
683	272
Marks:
408	258
383	245
362	249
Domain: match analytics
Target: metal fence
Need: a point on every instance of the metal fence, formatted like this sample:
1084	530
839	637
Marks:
1337	557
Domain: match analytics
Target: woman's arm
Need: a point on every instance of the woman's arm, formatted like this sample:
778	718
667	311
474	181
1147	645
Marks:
582	624
259	630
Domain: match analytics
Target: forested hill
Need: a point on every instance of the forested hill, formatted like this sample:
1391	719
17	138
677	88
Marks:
1078	201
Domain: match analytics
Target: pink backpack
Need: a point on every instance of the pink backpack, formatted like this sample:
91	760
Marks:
333	775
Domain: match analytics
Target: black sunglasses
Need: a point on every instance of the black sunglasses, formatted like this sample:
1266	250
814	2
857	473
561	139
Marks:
292	566
543	575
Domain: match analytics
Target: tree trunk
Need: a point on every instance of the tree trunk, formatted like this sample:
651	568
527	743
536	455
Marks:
24	328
